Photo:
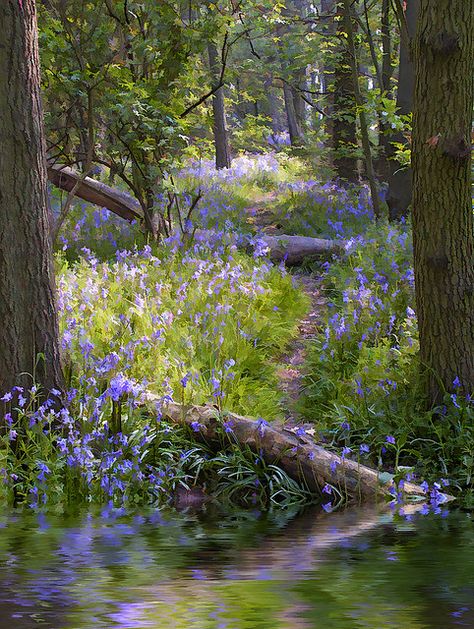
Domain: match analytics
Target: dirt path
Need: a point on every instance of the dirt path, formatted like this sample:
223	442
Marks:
290	372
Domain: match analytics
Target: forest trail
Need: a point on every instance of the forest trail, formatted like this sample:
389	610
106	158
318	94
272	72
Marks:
290	373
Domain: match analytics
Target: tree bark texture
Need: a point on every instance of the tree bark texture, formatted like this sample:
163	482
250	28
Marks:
29	325
344	126
400	179
221	140
442	204
385	146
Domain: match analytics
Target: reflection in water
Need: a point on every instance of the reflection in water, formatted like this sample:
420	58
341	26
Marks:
356	569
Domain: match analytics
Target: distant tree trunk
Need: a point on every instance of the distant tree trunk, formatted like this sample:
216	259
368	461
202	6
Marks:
298	102
274	109
400	180
294	129
328	14
364	128
386	46
221	140
442	203
384	135
29	326
344	126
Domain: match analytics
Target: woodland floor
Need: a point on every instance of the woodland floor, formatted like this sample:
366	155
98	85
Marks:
291	364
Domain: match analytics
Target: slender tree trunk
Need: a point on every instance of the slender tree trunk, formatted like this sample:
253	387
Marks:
221	140
274	109
29	327
442	205
384	166
328	23
386	47
296	135
400	179
364	128
298	102
344	114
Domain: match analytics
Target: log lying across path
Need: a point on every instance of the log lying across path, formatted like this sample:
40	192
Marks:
301	458
295	250
290	249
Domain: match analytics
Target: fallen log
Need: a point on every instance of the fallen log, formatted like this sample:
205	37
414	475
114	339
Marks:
292	250
301	458
295	250
96	192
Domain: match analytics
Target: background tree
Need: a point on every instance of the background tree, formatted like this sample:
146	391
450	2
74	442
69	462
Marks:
29	346
442	204
344	113
400	178
221	140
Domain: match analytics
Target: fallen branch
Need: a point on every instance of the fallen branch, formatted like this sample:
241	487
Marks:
291	250
300	458
95	192
297	249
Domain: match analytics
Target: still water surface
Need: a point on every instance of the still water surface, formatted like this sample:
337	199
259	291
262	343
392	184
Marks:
356	569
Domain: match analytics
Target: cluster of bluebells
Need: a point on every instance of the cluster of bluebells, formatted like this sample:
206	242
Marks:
65	450
198	321
194	321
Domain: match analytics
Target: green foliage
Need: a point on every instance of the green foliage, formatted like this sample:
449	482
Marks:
172	314
363	387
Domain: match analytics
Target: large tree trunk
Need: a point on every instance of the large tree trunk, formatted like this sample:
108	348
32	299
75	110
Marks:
442	207
400	179
344	126
221	140
29	327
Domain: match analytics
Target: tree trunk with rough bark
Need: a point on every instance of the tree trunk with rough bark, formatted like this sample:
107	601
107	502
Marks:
344	114
400	179
221	140
442	205
29	346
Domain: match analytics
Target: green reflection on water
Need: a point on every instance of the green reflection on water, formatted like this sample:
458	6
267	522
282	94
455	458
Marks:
355	569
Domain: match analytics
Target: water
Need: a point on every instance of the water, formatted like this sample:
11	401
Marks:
356	569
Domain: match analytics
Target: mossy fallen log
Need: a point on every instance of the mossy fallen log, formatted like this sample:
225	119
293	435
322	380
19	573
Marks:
302	459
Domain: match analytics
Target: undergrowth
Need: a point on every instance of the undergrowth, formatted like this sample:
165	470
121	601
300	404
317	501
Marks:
363	386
